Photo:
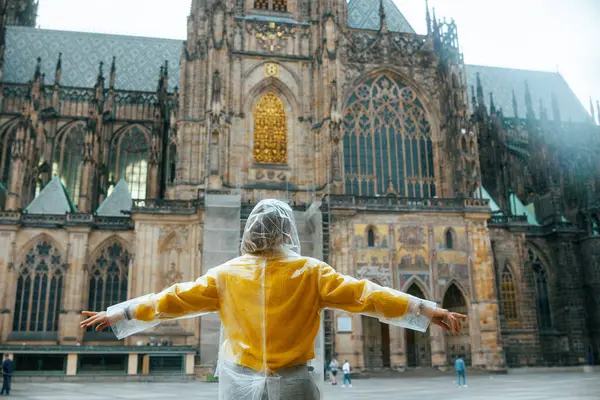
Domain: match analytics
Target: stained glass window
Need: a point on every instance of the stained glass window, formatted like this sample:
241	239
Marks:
261	4
270	131
280	5
39	290
509	294
275	5
68	159
108	277
129	153
387	139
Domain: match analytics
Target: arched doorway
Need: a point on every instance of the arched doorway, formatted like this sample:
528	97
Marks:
418	349
457	345
376	343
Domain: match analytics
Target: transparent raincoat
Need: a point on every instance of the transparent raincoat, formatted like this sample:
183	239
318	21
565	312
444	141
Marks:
270	302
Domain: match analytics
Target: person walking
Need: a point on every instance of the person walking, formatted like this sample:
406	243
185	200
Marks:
270	302
459	366
333	368
8	367
346	372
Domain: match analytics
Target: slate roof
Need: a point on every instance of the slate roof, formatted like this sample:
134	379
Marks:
117	202
502	81
138	58
364	14
53	199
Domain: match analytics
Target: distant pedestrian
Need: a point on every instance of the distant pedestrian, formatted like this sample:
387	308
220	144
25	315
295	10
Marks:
334	365
459	366
8	367
346	372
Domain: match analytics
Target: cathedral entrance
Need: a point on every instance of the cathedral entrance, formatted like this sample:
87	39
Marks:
457	345
376	344
418	349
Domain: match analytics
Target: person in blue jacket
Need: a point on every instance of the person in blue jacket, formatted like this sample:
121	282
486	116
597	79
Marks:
8	367
459	365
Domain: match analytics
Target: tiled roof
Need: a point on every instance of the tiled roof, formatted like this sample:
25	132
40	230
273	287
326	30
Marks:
138	59
364	14
502	81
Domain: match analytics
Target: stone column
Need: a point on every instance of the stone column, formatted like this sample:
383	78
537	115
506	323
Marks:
132	364
153	181
220	244
146	365
7	281
189	364
438	348
397	348
15	181
85	194
72	364
487	352
75	286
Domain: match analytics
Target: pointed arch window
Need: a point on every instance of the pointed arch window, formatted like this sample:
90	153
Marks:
450	239
509	294
387	141
371	238
270	131
68	159
39	290
108	277
542	298
129	160
274	5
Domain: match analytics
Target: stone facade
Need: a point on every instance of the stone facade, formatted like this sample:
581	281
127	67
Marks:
395	173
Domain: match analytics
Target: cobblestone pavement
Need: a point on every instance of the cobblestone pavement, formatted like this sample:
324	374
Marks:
514	387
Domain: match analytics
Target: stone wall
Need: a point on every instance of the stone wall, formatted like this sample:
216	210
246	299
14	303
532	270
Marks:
519	336
409	249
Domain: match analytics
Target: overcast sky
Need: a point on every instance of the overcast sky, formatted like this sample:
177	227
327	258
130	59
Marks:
547	35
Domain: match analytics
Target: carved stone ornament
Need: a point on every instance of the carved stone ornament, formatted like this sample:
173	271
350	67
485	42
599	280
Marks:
172	276
393	47
272	69
272	37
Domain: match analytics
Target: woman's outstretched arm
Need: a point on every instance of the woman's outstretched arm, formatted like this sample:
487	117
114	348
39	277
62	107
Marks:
179	301
389	305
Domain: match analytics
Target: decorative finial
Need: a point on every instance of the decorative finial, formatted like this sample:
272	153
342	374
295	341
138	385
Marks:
428	17
382	23
38	68
515	105
492	105
528	102
58	72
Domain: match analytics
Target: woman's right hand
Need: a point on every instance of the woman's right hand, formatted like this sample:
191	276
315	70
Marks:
93	318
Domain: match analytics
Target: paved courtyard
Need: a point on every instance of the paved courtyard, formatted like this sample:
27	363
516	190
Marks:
514	387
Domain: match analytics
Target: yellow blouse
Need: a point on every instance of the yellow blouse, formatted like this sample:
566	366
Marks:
270	308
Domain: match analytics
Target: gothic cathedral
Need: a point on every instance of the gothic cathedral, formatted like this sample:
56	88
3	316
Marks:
128	164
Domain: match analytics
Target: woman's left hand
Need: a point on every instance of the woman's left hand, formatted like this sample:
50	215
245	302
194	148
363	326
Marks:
449	321
100	318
